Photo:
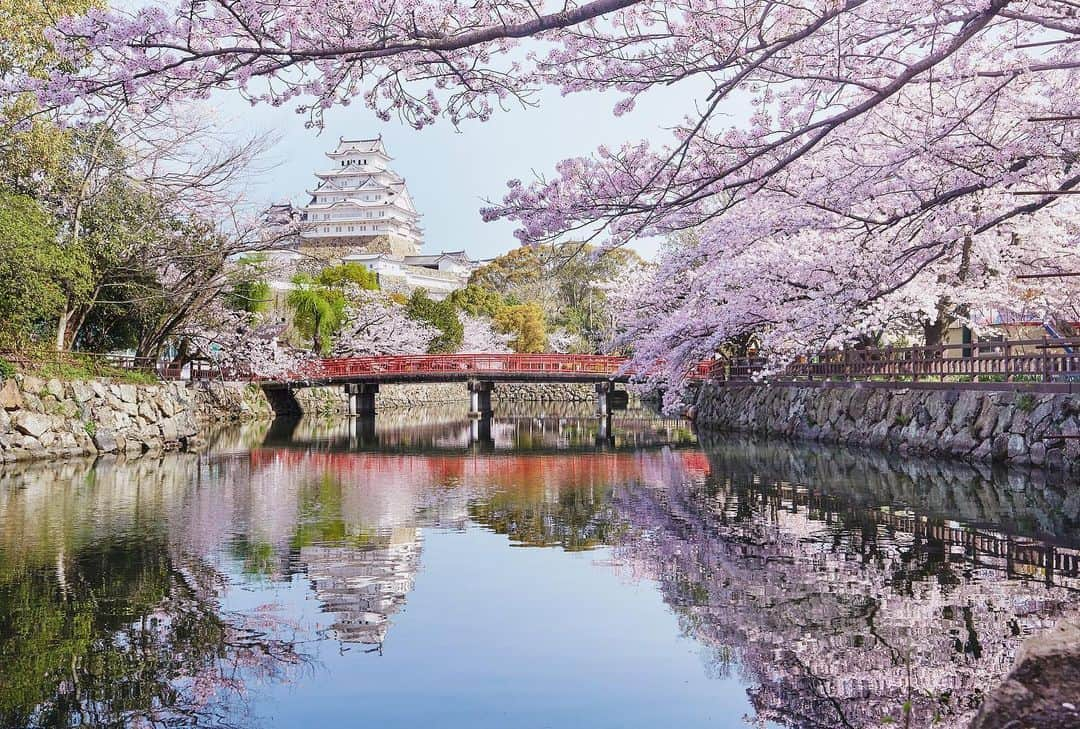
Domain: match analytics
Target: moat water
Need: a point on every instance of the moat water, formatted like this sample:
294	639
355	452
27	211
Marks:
542	569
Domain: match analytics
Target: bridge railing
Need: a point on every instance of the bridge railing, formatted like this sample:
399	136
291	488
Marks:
1006	361
479	364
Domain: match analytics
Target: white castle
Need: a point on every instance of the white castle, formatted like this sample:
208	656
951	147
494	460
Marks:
361	203
360	211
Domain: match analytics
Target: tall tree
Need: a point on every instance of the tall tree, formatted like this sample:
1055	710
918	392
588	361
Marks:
889	164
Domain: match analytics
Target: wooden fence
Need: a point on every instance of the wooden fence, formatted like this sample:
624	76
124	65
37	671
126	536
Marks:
1031	360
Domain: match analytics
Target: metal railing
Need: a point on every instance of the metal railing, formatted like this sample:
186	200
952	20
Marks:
1042	360
1032	360
461	364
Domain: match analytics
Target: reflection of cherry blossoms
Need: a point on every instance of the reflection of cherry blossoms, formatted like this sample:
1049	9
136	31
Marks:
835	615
130	628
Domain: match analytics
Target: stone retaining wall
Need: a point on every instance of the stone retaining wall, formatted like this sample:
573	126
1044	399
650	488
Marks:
544	392
332	400
49	418
974	425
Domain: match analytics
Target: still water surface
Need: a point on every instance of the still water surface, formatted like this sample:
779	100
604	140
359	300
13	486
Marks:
539	570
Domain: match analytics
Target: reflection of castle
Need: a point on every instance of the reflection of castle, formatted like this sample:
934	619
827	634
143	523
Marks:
364	586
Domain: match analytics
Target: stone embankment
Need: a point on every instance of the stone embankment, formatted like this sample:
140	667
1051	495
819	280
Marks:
42	418
332	400
544	392
49	418
1014	427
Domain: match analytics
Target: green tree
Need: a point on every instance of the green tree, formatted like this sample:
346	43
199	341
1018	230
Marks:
250	292
440	314
36	270
340	276
526	323
318	311
476	300
567	281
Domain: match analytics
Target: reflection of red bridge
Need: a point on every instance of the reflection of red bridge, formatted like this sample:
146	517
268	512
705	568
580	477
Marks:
507	470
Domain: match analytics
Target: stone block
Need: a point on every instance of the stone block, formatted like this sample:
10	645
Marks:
127	393
55	388
30	423
10	396
1037	453
81	392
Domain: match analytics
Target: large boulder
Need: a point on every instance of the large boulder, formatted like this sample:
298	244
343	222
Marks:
10	396
1043	689
105	440
33	424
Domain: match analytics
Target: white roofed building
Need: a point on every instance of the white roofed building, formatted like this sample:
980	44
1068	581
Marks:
360	203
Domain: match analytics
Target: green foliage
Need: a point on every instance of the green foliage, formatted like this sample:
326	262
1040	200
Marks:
251	296
77	367
1025	402
250	292
567	281
38	272
318	311
476	300
338	277
440	314
6	369
526	323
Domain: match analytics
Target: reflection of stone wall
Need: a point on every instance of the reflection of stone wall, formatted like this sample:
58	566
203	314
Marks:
977	426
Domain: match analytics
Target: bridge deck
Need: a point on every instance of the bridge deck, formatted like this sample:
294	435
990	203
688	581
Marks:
459	368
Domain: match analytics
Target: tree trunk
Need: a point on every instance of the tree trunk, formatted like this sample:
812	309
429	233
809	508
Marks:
934	332
61	329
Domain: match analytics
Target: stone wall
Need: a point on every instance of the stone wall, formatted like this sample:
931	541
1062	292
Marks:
49	418
973	425
332	400
544	392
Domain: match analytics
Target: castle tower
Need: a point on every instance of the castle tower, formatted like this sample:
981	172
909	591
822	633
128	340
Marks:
361	205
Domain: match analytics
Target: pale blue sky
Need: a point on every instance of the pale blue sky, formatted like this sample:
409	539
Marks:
449	172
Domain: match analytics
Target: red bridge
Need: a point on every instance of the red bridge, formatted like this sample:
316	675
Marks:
462	368
362	376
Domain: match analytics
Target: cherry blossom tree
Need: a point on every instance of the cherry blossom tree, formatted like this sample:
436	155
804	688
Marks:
375	324
849	169
480	337
239	345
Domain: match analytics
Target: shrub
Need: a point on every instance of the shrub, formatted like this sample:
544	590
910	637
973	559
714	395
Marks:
440	314
1025	402
6	369
528	325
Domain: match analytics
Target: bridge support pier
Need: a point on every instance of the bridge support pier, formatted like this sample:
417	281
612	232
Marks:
603	404
609	398
480	433
480	397
362	397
